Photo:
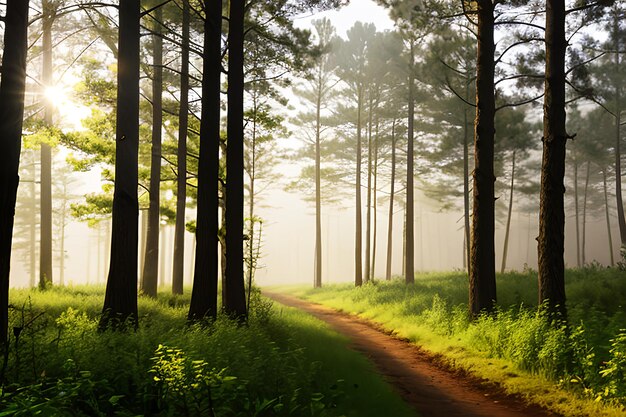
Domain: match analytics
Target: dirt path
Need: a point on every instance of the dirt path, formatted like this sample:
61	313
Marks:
430	389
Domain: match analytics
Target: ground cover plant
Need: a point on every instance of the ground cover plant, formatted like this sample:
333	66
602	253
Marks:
277	365
587	358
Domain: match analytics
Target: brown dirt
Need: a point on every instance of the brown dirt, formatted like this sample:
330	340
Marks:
422	379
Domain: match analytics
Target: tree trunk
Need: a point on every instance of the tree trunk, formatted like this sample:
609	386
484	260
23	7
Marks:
584	223
466	191
576	213
358	249
45	249
178	267
482	282
374	205
235	299
608	218
508	218
120	302
204	293
150	274
404	241
368	211
318	182
618	142
252	176
391	196
33	235
12	86
409	273
551	207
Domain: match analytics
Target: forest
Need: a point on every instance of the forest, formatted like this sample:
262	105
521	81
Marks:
145	149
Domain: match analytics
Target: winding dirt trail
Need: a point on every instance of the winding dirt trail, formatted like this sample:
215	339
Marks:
430	389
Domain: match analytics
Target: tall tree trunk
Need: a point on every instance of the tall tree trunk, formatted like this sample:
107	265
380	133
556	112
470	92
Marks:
618	142
12	86
409	273
551	206
608	218
358	236
45	249
204	292
33	234
318	181
508	217
391	197
235	299
178	267
63	223
150	274
368	211
466	191
404	241
120	302
374	205
584	223
252	177
576	212
482	282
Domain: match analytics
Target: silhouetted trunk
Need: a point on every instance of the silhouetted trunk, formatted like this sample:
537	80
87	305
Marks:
608	217
482	281
120	302
409	273
358	236
584	224
618	154
466	192
204	293
404	241
318	182
150	274
235	298
374	205
252	175
33	235
368	211
143	232
391	197
508	217
178	267
12	87
551	208
576	213
45	242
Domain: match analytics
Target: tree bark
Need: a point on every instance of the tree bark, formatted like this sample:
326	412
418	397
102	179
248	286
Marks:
150	274
584	222
391	197
466	191
482	281
618	142
45	249
318	181
235	299
358	236
178	267
204	292
576	212
368	210
608	218
120	302
551	207
374	205
12	86
508	217
409	265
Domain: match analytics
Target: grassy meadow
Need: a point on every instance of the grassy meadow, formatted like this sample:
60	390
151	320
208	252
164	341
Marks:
283	363
577	370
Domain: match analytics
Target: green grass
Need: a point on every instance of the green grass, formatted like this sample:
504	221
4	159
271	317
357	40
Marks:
284	363
577	371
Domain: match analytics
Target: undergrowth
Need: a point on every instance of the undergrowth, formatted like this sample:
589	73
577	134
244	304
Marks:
588	356
59	364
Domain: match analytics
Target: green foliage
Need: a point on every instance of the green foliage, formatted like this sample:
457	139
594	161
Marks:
589	357
60	364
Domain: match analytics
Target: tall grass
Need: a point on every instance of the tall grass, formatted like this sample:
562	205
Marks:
60	364
588	356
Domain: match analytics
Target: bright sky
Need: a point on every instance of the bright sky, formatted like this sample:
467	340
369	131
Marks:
366	11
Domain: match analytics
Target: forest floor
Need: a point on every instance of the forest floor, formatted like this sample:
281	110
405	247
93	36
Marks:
422	379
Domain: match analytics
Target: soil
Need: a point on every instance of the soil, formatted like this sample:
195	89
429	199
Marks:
422	379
